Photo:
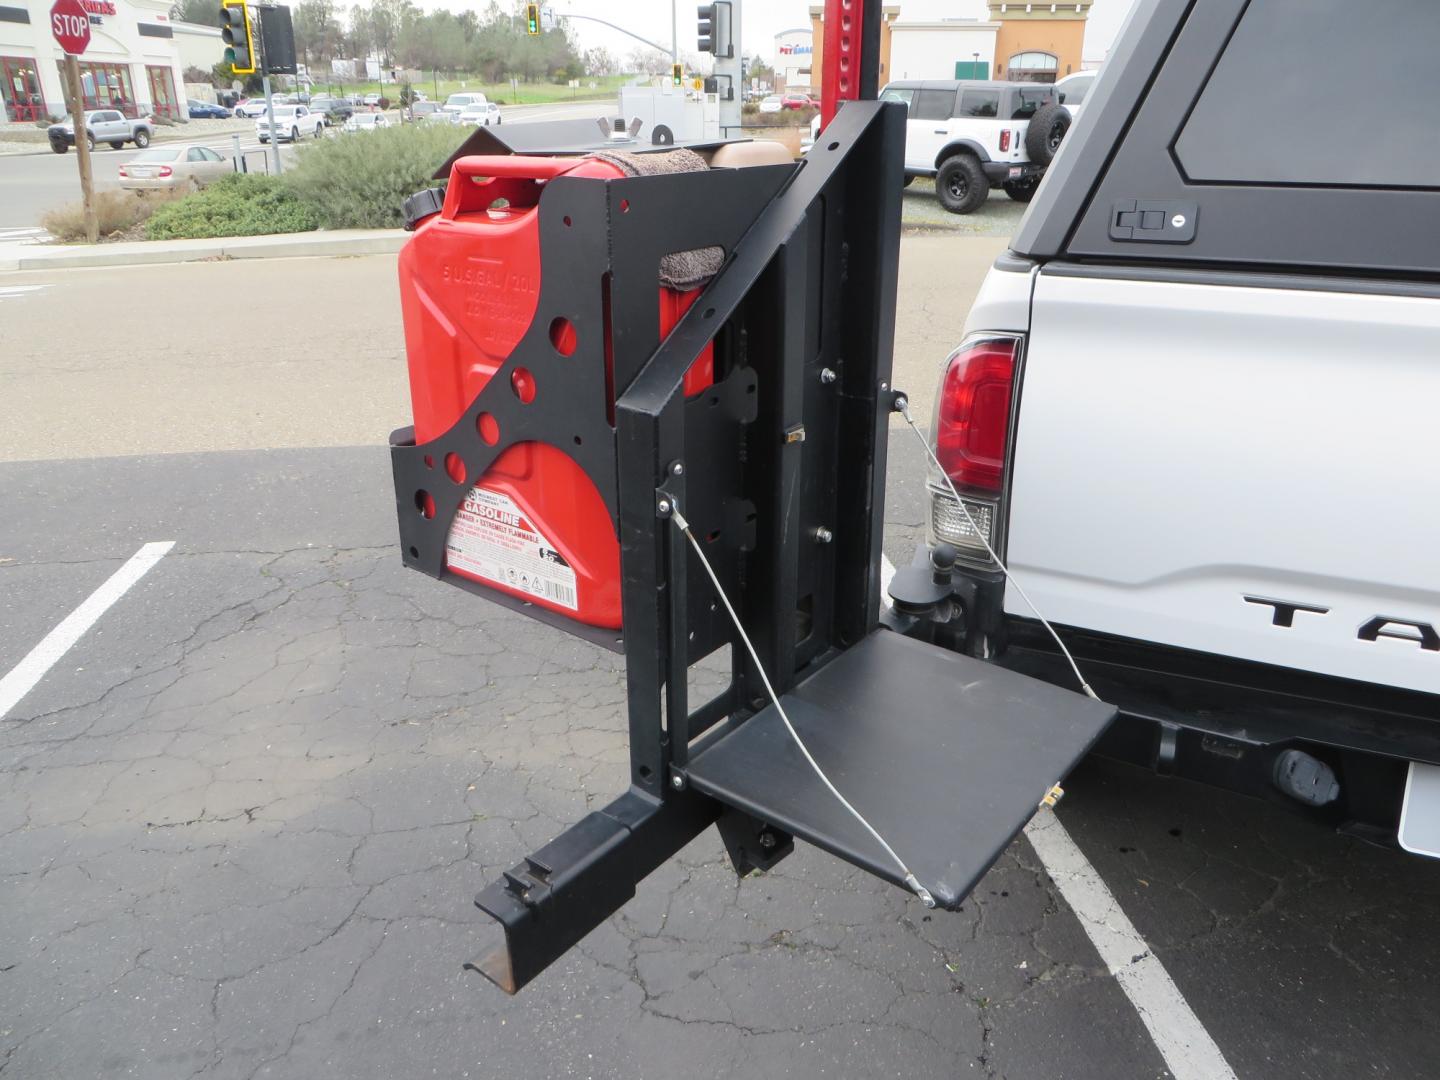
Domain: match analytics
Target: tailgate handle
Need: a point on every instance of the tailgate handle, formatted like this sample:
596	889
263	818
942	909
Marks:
1154	221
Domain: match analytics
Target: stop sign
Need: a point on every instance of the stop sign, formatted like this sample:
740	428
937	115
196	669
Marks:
71	26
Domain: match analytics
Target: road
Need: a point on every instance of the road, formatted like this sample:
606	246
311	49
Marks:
30	184
241	819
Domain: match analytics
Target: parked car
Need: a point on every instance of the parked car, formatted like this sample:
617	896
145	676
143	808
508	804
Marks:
251	108
207	110
1193	407
796	101
455	104
364	121
370	99
429	112
332	110
772	103
1073	89
168	168
102	125
480	115
291	122
972	134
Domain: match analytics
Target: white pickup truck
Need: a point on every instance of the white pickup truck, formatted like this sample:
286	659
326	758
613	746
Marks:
291	122
1195	410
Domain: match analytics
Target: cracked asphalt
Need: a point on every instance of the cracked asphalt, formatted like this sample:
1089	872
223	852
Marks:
242	820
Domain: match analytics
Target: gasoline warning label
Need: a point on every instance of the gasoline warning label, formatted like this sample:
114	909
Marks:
492	539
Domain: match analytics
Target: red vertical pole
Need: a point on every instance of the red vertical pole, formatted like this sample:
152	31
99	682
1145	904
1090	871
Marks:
841	56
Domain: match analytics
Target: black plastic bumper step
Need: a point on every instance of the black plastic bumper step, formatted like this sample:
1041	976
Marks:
947	756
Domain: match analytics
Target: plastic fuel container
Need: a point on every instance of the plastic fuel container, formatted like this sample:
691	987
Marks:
534	526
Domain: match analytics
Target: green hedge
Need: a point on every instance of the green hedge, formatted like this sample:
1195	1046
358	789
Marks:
358	181
237	205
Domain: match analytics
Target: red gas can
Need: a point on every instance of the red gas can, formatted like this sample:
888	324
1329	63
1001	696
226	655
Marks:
534	526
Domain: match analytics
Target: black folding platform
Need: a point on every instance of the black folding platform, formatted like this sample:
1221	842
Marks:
947	756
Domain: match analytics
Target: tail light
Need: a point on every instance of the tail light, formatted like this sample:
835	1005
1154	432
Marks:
1005	140
123	171
972	435
165	170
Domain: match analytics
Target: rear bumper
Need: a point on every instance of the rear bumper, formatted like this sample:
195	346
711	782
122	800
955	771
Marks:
998	172
1224	721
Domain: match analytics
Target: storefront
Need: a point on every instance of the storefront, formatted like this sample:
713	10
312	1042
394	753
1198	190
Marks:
132	63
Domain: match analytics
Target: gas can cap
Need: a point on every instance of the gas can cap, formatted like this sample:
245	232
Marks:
421	205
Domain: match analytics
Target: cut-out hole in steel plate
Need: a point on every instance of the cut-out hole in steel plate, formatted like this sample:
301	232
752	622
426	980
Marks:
455	467
523	384
562	335
488	429
425	503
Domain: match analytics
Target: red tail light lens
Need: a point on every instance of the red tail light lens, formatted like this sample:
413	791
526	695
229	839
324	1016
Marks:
165	170
972	423
1004	141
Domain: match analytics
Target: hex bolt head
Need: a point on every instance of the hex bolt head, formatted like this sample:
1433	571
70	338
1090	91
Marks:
827	376
884	386
677	782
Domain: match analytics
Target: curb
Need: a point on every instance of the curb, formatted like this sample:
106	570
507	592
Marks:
280	246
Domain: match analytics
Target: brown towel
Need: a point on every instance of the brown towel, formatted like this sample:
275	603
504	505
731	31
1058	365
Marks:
680	269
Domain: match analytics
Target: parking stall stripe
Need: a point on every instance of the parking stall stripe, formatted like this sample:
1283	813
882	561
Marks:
22	678
1189	1051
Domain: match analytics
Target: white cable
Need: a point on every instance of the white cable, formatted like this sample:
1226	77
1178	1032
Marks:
910	879
902	406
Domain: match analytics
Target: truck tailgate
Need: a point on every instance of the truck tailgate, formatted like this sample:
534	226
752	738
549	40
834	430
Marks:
1276	445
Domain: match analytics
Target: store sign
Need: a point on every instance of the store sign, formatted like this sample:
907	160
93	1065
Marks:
98	7
71	26
796	50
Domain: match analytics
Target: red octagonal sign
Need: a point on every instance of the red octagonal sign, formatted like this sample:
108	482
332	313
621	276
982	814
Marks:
71	26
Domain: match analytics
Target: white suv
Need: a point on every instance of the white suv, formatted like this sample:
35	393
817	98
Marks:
970	135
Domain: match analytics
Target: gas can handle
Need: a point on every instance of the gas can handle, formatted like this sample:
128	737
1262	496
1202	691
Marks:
502	166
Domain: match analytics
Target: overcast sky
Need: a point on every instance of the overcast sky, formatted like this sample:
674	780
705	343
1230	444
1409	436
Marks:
762	20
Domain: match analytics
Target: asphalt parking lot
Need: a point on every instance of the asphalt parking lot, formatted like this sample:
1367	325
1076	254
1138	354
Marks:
243	816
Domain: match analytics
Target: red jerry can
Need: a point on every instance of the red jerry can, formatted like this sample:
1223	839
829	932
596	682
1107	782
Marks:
534	526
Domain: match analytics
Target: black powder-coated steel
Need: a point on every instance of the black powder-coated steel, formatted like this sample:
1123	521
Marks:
946	756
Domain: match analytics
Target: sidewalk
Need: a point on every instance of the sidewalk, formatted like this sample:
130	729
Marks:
148	252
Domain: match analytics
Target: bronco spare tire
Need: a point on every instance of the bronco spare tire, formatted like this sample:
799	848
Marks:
1046	131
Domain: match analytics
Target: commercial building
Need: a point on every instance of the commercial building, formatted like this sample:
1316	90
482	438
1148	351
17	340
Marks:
132	63
1023	42
793	52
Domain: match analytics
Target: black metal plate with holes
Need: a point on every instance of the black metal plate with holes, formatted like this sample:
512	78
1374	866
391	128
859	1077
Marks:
947	756
619	231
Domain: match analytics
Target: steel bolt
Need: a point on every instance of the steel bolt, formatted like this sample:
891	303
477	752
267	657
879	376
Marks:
827	376
767	839
884	386
677	469
663	507
823	535
677	782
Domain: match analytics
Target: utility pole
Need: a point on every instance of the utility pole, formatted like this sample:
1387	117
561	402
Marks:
82	147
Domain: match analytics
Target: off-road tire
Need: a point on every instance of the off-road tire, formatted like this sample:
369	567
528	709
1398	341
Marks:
1046	132
60	146
294	134
118	144
1022	190
961	184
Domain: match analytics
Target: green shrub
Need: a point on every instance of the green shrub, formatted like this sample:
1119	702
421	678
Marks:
237	205
359	181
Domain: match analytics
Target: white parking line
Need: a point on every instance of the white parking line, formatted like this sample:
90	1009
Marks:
1189	1051
22	678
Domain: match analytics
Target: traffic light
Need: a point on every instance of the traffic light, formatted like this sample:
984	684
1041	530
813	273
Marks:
235	32
706	27
532	19
677	74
